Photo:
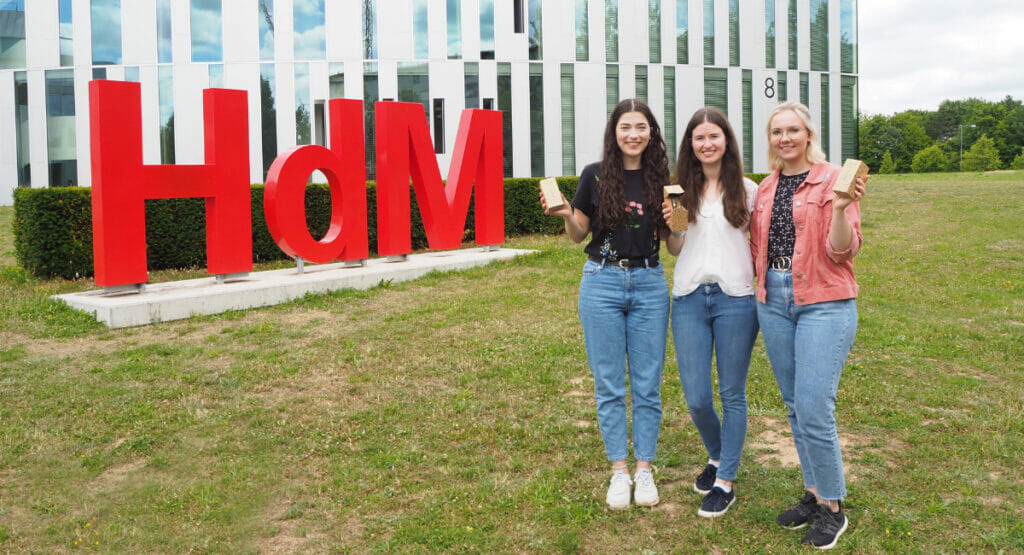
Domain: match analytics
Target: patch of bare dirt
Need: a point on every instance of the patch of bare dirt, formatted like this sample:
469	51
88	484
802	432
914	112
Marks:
117	474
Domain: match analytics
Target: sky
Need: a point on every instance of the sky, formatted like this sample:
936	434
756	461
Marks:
916	53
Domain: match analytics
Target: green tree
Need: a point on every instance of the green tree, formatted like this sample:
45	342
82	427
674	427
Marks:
887	165
930	159
912	139
982	156
1018	161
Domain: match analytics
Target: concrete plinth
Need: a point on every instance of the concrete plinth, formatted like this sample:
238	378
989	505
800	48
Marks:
161	302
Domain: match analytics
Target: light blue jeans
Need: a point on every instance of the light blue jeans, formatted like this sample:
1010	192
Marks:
807	346
709	320
624	313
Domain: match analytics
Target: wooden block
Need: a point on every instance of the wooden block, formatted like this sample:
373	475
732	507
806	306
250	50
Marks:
552	194
847	180
680	219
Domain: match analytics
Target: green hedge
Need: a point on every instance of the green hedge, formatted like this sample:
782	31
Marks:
53	226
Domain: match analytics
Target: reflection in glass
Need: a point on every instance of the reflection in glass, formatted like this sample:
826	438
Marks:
217	76
848	37
420	42
166	93
670	115
536	120
804	89
748	119
302	104
369	29
472	85
336	80
106	32
131	73
414	84
769	33
486	29
266	17
268	115
371	94
734	32
99	73
505	105
824	111
819	35
21	128
793	44
568	121
709	32
582	33
641	82
67	50
783	93
454	15
163	31
535	36
654	29
611	87
310	42
682	32
12	34
716	88
207	32
611	31
848	115
60	127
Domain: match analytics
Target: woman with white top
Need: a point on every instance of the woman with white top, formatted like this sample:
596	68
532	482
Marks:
713	306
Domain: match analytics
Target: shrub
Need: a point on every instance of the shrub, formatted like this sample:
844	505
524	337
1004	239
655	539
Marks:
1018	161
930	159
888	165
982	156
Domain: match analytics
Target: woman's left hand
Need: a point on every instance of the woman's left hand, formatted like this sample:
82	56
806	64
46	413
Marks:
840	202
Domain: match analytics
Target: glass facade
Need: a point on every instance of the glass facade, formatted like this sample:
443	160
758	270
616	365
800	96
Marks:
454	15
654	30
582	31
472	85
748	119
611	87
568	97
21	127
371	94
769	33
825	113
131	73
166	92
670	114
164	52
709	32
804	90
106	32
336	80
66	34
782	92
60	127
848	116
848	36
369	24
734	33
414	84
682	32
266	18
420	41
536	34
716	89
793	39
310	40
303	113
486	29
537	120
12	34
611	30
819	35
217	76
268	115
641	82
505	105
207	32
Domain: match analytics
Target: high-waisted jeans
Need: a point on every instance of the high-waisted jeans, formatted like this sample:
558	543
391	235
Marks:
624	313
709	320
807	346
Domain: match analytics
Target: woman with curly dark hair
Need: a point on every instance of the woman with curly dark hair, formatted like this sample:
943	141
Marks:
623	303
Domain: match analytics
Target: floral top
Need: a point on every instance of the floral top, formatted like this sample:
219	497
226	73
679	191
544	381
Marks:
637	234
782	232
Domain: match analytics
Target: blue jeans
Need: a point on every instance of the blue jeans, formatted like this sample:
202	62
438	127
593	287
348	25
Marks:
707	319
807	346
624	313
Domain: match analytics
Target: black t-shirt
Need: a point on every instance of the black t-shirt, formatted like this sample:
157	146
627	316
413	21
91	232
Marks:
636	235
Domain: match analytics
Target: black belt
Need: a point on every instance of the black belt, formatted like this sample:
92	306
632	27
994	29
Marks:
639	262
781	263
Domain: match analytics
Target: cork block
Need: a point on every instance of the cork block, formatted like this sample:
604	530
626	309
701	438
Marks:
847	180
680	218
552	194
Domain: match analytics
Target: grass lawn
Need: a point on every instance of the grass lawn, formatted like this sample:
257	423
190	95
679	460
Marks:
456	412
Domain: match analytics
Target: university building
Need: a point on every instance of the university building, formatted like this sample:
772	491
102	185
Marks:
555	68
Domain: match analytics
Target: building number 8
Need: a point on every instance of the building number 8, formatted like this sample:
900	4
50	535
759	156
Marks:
769	88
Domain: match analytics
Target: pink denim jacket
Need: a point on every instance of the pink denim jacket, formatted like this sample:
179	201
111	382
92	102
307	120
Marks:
820	273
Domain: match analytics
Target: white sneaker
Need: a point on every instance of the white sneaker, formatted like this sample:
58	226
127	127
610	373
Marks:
618	491
646	493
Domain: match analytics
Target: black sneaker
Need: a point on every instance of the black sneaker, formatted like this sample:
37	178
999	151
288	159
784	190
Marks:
799	515
826	527
716	502
706	480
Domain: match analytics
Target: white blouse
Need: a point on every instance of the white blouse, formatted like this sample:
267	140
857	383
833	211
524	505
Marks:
716	252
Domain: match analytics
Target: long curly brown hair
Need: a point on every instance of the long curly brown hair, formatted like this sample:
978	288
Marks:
690	172
611	186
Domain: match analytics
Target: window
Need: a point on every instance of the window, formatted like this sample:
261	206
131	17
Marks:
310	41
682	32
488	103
420	30
804	92
783	94
216	76
266	18
99	73
611	30
709	32
819	35
106	32
454	10
60	127
568	96
734	33
536	39
825	137
67	50
654	30
336	80
319	123
537	120
611	87
472	85
268	115
439	126
371	94
670	114
131	73
716	89
748	120
21	127
517	17
793	30
486	29
848	116
505	105
582	31
848	36
207	32
369	14
641	82
12	34
769	33
303	114
414	84
166	97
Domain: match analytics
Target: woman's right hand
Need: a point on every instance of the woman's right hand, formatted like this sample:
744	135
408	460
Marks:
564	211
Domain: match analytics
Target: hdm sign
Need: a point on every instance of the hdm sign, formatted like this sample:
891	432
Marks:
121	183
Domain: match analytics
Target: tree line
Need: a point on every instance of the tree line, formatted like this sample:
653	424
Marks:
989	134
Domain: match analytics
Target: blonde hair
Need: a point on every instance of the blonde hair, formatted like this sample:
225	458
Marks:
814	153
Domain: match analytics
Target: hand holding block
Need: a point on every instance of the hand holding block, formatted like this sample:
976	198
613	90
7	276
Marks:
847	180
552	194
680	218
